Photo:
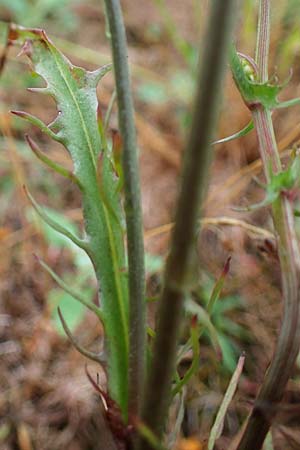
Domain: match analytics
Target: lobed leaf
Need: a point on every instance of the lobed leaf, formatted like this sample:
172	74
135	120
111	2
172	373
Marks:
253	92
53	165
279	182
74	91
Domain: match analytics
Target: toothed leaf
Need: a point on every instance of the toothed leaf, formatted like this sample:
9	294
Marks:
74	91
255	93
38	123
53	165
280	182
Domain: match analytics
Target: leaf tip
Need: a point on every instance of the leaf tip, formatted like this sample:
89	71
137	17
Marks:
31	143
18	113
226	266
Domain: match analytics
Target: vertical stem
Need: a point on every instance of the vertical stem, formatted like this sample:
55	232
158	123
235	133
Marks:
133	211
263	40
287	347
195	174
267	142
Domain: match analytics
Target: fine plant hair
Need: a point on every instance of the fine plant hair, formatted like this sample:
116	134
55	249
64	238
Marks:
142	383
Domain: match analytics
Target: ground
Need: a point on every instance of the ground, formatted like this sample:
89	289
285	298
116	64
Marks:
46	400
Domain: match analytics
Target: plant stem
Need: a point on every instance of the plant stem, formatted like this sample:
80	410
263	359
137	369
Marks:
193	189
133	211
288	344
263	39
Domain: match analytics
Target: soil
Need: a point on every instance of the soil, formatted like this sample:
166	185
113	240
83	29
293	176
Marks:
46	400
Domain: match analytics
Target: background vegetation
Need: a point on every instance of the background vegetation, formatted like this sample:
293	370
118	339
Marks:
46	400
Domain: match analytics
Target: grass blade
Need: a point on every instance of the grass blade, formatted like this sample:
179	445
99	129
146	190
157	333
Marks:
217	428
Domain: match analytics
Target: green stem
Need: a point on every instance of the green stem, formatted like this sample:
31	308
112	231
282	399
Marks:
263	40
287	347
133	211
193	189
267	142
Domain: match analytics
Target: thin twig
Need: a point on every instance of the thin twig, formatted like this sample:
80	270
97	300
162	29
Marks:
133	211
193	189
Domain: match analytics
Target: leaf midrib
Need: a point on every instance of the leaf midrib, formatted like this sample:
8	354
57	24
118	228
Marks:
106	214
85	131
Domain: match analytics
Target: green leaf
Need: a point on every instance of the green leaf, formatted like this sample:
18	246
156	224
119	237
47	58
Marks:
52	236
271	196
203	318
229	351
218	287
90	355
71	291
254	93
73	311
230	328
37	122
55	225
195	334
53	165
249	127
279	182
288	103
76	127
